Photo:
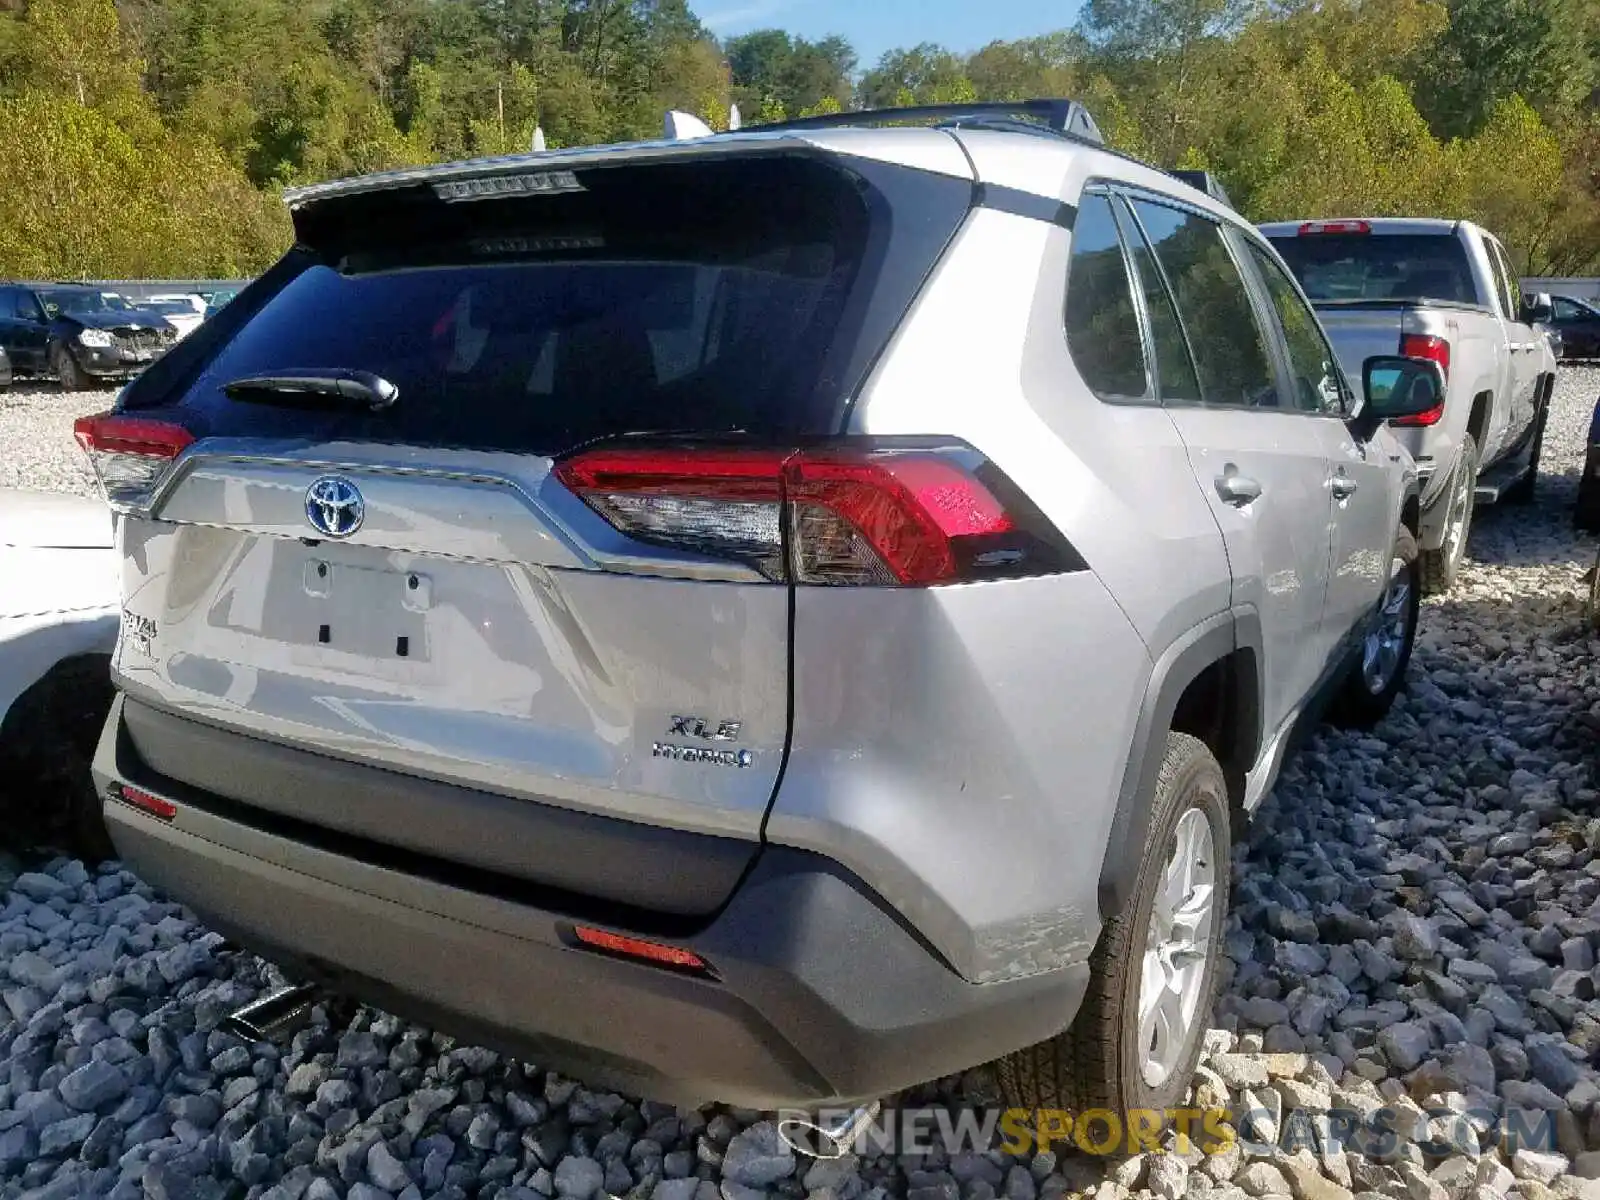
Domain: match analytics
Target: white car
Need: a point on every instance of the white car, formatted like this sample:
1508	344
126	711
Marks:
58	623
183	313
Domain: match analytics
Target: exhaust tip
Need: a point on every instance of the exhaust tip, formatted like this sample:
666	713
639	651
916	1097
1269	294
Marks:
829	1135
273	1015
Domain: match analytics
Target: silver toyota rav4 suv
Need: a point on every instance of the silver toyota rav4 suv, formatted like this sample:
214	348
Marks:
775	617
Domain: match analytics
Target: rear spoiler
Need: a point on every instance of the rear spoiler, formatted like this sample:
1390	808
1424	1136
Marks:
1204	181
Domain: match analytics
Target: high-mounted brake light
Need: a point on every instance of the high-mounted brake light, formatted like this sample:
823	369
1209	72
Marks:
834	515
129	454
493	187
1311	227
1434	349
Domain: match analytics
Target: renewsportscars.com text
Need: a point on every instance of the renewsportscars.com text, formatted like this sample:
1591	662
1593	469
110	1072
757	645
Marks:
1375	1134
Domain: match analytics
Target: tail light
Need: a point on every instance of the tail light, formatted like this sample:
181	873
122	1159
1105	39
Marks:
1313	227
838	515
1434	349
129	454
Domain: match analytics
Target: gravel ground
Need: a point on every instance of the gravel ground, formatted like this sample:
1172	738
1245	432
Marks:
36	433
1415	931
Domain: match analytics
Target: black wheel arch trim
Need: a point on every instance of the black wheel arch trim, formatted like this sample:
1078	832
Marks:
1179	665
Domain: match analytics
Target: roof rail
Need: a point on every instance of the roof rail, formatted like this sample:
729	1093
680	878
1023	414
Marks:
1067	117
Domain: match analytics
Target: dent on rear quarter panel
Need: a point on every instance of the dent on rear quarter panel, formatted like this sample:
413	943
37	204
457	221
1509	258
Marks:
960	749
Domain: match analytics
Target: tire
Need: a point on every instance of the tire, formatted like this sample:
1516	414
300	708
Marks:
1523	490
1097	1064
1441	567
1377	677
48	796
67	370
1594	596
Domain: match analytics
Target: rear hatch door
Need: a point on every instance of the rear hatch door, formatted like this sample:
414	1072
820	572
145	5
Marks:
364	553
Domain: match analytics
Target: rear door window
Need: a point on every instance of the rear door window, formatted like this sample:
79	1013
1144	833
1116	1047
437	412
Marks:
1337	267
1230	349
1502	284
735	295
1312	364
1174	364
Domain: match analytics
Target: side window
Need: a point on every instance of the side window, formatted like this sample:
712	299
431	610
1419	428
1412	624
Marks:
1513	286
1311	360
1175	378
27	307
1563	310
1230	352
1102	327
1499	268
8	304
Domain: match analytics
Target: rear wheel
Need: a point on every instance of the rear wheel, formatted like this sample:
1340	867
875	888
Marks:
1441	567
1522	491
67	370
1594	596
1136	1038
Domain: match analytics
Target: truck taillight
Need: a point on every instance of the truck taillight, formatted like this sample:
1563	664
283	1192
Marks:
837	515
130	455
1434	349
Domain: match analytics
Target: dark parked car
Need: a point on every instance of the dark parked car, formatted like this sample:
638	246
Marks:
1578	323
79	334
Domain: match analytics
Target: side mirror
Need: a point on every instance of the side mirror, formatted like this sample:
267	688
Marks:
1400	389
1537	309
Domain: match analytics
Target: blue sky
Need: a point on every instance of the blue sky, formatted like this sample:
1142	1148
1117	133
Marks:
874	26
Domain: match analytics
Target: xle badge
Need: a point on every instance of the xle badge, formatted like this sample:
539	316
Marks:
705	731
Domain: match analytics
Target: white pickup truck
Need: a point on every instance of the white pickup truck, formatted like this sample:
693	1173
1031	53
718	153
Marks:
1441	290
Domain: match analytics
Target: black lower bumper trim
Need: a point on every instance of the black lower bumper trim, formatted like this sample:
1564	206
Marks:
818	994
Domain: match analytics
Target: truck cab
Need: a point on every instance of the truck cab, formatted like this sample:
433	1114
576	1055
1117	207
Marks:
1441	290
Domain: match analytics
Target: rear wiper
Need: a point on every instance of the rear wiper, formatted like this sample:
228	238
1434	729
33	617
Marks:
315	388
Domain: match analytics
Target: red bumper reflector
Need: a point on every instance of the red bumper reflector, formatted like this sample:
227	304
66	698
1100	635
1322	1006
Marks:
655	952
145	802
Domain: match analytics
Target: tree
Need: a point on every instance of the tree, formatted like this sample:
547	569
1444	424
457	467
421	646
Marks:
1494	49
925	74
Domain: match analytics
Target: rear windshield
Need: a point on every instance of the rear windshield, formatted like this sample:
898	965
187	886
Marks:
1380	266
735	295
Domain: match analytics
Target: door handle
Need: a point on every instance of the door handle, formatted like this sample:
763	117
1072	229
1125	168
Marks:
1235	488
1343	486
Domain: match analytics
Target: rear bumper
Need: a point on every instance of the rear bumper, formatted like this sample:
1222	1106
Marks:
818	992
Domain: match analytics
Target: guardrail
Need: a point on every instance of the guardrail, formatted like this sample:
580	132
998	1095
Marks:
1583	287
136	289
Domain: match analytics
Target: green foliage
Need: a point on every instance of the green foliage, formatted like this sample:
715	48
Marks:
152	136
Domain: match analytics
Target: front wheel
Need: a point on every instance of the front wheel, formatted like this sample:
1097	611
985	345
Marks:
67	370
1441	567
1386	643
1136	1038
